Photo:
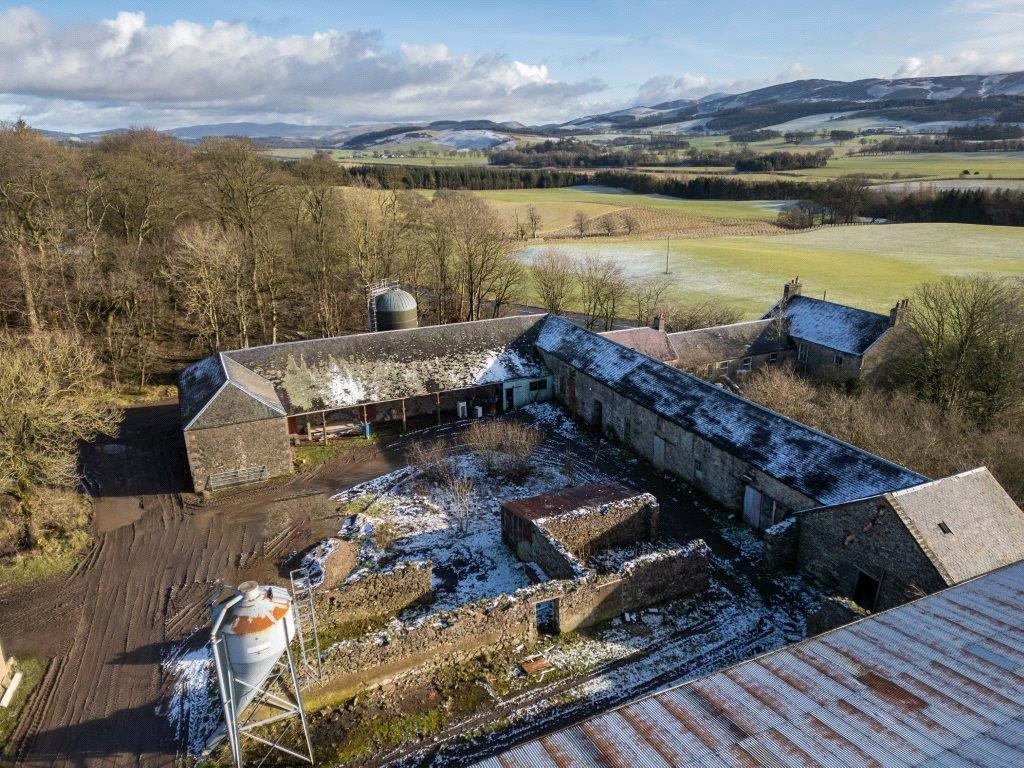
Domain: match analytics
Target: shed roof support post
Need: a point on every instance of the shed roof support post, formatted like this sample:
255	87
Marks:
405	422
323	423
437	396
365	422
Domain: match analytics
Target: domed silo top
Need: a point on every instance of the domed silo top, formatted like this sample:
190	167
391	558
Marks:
395	309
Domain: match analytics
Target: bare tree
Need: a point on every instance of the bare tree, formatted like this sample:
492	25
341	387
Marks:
705	314
608	224
630	223
458	491
646	294
552	275
579	222
533	218
603	286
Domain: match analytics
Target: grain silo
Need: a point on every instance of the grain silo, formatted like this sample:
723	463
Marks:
251	642
394	310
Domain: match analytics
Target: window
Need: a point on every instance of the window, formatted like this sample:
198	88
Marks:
773	357
865	591
539	385
746	364
837	360
723	366
801	353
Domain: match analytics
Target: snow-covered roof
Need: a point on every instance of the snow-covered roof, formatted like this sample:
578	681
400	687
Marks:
815	464
345	371
836	326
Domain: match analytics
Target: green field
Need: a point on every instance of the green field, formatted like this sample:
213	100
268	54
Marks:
935	165
866	266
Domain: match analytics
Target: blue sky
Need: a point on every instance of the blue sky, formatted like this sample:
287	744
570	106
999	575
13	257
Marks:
87	65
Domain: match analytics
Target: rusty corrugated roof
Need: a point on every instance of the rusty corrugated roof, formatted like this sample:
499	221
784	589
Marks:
568	500
936	682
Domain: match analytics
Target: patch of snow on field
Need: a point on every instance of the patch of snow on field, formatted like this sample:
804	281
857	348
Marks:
192	710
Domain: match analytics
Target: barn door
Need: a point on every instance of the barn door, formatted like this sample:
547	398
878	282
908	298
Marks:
752	507
659	451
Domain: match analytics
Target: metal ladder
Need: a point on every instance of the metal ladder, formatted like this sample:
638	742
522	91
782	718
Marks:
306	629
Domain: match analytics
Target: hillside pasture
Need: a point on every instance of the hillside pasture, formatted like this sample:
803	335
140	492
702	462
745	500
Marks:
433	154
867	266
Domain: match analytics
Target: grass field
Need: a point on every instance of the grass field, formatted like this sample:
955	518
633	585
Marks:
866	266
558	206
936	165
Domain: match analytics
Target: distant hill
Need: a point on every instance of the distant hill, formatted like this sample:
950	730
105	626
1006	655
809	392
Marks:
922	103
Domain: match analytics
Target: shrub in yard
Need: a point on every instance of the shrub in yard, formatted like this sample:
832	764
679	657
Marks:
431	458
504	446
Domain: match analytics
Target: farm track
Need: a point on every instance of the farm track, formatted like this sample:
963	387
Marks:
140	588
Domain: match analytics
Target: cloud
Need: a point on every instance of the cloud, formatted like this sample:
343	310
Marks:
125	69
990	41
656	90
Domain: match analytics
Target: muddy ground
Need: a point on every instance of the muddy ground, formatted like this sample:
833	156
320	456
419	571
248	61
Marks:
142	586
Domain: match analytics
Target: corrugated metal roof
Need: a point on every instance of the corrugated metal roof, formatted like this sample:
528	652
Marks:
815	464
836	326
568	500
938	682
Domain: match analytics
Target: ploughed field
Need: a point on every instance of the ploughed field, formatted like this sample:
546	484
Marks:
868	266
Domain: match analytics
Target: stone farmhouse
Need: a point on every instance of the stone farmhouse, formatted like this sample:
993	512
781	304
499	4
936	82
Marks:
826	340
935	682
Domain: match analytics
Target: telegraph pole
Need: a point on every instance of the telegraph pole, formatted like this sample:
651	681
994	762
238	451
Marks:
668	239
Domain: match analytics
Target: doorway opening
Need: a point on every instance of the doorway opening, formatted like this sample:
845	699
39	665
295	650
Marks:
547	617
865	591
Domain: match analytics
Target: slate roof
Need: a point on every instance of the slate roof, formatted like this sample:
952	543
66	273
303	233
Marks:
568	500
986	528
647	341
815	464
836	326
706	346
936	682
345	371
217	391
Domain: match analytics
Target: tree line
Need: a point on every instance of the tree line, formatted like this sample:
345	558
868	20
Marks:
783	161
912	144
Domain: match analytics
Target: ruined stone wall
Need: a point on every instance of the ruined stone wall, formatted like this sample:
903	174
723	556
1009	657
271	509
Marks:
510	621
376	594
835	611
593	529
662	576
553	558
868	535
238	446
781	542
703	465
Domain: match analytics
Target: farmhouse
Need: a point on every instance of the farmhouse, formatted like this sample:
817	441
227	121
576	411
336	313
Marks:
934	682
824	339
883	550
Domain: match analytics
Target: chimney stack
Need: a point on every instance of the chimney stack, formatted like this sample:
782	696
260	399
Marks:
657	323
791	289
898	314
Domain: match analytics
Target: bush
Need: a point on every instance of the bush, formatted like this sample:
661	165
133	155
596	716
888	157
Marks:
504	447
431	458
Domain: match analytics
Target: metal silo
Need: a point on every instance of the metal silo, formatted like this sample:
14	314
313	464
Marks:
251	639
395	310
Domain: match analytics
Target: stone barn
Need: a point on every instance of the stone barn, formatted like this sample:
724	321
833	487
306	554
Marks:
241	409
890	548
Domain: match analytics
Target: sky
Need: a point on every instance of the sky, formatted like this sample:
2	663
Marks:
81	66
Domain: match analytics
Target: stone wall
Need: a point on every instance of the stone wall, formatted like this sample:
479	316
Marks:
781	542
510	621
835	611
836	542
238	446
820	363
718	474
376	594
593	529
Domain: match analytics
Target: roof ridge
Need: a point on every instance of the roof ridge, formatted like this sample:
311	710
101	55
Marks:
723	325
837	304
911	526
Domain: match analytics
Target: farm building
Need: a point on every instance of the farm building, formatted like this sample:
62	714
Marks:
240	409
834	341
931	683
730	351
884	550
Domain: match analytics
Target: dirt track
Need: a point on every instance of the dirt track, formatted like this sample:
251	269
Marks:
143	585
